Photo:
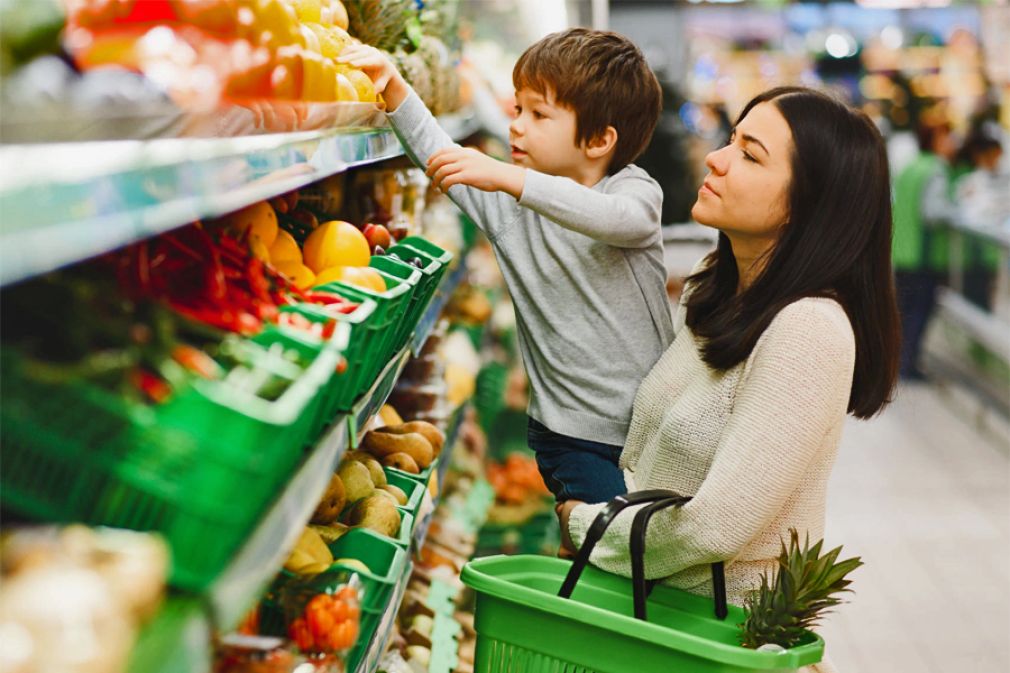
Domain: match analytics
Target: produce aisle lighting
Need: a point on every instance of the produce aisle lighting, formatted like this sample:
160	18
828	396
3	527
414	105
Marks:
902	4
892	37
840	46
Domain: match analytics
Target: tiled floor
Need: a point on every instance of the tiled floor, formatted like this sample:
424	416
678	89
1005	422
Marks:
923	495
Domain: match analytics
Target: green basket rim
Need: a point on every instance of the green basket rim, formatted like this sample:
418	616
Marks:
479	575
413	278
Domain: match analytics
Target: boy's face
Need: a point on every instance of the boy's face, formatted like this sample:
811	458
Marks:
543	136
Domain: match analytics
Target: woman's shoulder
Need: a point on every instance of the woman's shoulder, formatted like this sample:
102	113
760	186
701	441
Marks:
813	324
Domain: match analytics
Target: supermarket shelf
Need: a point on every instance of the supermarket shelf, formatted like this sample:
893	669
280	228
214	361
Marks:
380	639
452	433
438	303
372	401
67	202
238	588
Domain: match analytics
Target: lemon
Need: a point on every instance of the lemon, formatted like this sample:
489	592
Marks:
318	82
338	14
364	277
346	92
285	249
335	243
259	220
311	41
259	250
332	39
299	274
309	11
362	84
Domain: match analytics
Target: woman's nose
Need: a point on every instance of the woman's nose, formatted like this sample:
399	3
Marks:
716	160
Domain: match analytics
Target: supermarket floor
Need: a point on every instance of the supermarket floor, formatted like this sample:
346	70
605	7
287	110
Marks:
922	493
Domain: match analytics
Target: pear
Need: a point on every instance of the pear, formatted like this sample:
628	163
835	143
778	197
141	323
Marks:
376	471
377	513
357	480
396	492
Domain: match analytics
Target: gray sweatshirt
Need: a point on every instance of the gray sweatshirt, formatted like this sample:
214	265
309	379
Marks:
585	270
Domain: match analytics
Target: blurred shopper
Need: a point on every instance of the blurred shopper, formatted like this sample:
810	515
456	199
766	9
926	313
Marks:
982	193
922	210
785	328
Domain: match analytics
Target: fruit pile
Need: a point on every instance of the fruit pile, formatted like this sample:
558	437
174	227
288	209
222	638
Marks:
331	251
329	623
516	480
215	50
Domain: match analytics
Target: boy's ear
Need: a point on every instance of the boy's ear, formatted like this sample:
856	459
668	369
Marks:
601	145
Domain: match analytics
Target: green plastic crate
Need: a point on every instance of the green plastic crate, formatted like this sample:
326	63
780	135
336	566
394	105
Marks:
346	388
413	489
177	640
522	625
418	301
200	469
421	477
391	306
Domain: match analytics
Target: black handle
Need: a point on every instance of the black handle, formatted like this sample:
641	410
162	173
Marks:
660	499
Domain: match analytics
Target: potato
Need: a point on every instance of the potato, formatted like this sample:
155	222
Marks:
427	430
401	461
382	444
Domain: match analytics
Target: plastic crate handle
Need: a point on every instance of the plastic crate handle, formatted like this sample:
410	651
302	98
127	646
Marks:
660	499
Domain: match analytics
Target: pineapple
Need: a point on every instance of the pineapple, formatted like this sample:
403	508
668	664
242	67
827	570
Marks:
799	595
416	72
380	23
435	55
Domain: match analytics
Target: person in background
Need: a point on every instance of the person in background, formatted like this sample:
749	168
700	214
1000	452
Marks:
787	327
982	192
921	249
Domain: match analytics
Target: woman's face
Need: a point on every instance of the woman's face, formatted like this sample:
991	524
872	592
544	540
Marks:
746	192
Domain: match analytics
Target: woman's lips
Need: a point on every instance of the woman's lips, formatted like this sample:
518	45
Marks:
707	189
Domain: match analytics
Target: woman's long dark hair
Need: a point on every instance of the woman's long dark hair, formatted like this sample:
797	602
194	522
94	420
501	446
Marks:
837	243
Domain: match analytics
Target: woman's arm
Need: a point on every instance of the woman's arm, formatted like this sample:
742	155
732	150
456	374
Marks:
795	393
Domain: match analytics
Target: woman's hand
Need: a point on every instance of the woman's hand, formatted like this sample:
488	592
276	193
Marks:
387	79
564	511
465	166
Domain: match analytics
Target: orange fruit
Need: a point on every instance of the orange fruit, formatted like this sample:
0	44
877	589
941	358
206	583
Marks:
300	275
346	93
285	249
335	243
364	277
259	220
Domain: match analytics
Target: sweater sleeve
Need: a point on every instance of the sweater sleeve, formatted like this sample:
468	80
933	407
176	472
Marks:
625	213
422	136
795	392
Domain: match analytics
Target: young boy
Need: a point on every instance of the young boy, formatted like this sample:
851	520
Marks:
576	231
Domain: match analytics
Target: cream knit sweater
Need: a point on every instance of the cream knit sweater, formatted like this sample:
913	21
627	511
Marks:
754	446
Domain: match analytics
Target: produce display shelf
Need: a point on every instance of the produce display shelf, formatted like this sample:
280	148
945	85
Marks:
989	330
438	303
241	584
380	639
451	434
67	202
370	403
992	232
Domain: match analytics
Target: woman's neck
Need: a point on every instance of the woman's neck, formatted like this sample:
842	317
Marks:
751	255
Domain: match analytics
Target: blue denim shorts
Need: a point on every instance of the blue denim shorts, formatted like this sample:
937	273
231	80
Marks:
576	469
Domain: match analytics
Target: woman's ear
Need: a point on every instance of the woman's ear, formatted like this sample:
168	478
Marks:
602	144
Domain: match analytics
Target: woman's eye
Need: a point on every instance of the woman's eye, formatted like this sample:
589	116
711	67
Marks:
748	157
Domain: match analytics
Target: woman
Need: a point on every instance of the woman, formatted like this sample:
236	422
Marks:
789	324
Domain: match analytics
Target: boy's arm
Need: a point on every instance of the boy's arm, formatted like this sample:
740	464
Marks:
626	215
423	137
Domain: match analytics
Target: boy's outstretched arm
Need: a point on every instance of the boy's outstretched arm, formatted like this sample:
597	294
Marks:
424	138
625	214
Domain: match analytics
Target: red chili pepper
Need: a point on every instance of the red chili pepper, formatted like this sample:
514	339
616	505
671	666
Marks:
151	386
214	273
178	245
143	265
321	297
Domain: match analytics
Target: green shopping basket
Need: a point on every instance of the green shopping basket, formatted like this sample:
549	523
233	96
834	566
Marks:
535	615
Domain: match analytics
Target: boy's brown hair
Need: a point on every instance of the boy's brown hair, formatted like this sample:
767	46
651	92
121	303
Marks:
604	78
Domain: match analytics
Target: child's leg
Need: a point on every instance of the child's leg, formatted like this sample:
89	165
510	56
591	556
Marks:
576	469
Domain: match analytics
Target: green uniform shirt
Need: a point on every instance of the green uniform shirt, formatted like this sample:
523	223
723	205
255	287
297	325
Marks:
916	245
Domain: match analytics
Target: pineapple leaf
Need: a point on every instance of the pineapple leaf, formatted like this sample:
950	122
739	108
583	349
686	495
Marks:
803	590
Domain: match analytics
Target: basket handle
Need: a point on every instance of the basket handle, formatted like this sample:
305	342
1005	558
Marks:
638	530
661	499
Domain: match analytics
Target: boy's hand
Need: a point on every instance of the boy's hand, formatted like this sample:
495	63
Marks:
384	75
564	511
465	166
